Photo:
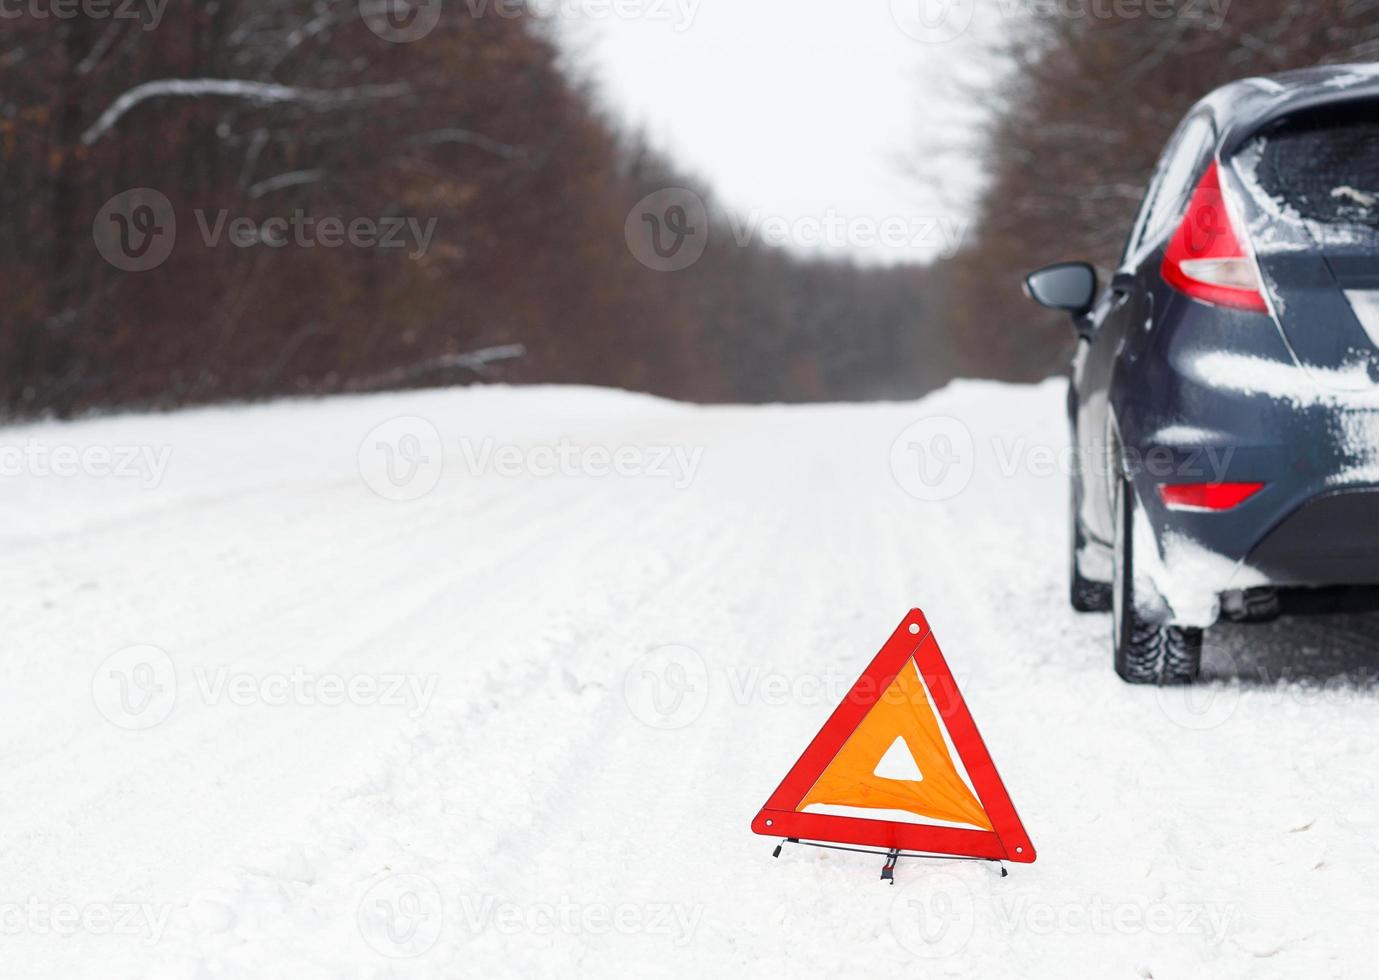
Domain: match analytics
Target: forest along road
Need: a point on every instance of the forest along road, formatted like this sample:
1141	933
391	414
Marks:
487	681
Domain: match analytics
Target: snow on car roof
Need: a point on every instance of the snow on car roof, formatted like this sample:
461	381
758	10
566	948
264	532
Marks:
1244	107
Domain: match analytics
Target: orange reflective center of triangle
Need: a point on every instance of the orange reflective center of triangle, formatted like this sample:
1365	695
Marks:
902	711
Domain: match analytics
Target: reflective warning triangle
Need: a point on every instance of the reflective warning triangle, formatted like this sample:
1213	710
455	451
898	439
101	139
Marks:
906	703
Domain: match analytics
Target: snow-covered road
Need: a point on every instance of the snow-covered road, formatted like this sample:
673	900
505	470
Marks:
490	682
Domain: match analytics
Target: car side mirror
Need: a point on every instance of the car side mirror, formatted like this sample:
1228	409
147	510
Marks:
1067	286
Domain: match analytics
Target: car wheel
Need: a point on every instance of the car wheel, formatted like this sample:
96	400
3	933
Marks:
1087	595
1146	651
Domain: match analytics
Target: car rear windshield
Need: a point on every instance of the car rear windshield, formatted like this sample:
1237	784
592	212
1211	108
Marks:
1325	164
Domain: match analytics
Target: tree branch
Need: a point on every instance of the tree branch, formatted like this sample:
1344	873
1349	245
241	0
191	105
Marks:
263	92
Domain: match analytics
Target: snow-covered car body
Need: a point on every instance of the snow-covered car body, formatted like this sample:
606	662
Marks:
1226	382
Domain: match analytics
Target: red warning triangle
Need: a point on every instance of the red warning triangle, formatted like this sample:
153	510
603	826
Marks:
889	730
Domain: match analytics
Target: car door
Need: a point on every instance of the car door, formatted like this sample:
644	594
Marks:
1124	307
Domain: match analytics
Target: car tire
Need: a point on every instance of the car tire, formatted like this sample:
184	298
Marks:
1086	595
1145	651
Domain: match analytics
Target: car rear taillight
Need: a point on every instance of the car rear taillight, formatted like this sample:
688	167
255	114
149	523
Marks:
1207	259
1207	496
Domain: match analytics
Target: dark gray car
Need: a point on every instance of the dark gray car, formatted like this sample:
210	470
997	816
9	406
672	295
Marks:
1225	392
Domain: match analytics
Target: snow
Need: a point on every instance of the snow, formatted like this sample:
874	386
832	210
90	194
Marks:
1189	575
899	763
1287	382
292	706
1185	435
1348	396
1355	75
263	92
1365	303
1278	227
1246	164
1363	198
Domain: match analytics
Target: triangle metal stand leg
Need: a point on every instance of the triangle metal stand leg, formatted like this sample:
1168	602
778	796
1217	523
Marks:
892	855
888	870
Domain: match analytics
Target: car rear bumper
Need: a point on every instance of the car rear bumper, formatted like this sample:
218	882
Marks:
1331	539
1314	523
1300	530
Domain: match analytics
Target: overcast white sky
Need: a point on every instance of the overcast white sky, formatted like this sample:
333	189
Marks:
811	113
